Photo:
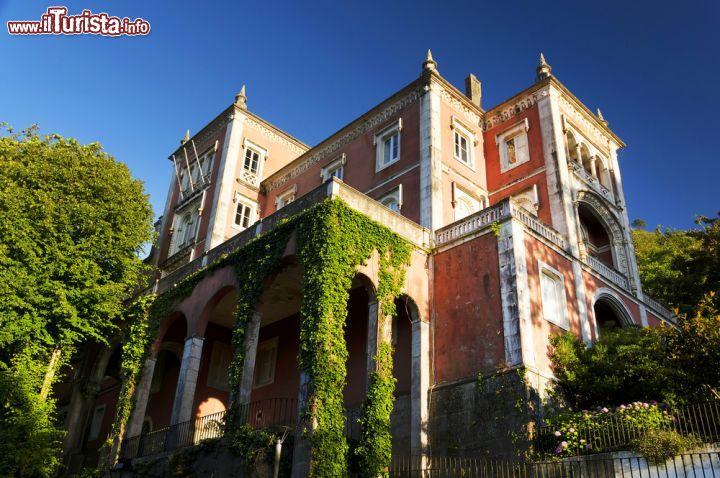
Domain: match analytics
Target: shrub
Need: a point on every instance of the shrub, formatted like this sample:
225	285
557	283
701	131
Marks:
660	445
600	430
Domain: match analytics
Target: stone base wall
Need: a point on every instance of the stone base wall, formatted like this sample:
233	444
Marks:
400	426
490	416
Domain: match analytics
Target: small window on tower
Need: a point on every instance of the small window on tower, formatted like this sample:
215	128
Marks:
335	169
463	144
513	144
252	163
387	143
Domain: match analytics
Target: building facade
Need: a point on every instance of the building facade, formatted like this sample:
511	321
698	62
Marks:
519	229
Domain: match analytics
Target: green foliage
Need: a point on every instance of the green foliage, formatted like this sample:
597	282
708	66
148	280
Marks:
587	431
623	365
658	446
333	240
72	223
680	267
375	447
29	441
250	444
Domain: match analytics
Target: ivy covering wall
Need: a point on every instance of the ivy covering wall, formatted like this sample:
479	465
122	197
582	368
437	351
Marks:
332	241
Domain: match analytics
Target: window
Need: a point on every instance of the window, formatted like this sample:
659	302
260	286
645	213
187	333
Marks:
252	163
265	362
244	213
285	198
97	421
334	169
219	364
552	288
464	203
463	144
185	233
393	199
513	145
387	143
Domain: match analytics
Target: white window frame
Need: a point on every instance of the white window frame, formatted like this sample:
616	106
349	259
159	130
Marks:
246	175
379	142
336	165
393	195
501	140
241	200
460	195
286	197
559	285
272	346
220	359
460	129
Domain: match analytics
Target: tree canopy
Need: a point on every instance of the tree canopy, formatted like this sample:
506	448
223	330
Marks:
680	267
73	222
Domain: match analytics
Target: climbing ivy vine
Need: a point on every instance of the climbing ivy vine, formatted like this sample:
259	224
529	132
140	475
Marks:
332	241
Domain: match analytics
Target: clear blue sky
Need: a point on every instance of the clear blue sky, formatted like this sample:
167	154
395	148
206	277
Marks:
312	66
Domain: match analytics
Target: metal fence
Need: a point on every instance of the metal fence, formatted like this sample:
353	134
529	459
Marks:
270	413
614	432
688	465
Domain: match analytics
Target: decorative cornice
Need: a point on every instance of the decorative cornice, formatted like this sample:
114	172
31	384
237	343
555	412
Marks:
470	115
514	108
316	154
208	132
273	135
585	126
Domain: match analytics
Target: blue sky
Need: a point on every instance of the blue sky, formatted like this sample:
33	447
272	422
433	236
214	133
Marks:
312	66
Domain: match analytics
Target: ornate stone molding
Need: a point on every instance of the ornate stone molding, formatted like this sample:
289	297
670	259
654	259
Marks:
274	135
209	132
584	125
370	123
467	113
611	222
514	108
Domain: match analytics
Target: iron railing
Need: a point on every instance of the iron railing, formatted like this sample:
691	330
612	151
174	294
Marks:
688	465
614	432
271	413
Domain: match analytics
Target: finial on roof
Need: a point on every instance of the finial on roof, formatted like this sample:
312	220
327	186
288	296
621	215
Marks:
543	70
241	98
601	118
186	138
429	63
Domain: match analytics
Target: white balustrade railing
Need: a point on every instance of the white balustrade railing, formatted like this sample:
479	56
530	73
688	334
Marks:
656	306
473	223
536	225
592	181
608	272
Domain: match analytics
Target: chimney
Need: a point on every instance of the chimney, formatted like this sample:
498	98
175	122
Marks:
473	90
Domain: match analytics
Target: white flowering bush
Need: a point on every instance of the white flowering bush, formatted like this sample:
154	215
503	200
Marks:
603	429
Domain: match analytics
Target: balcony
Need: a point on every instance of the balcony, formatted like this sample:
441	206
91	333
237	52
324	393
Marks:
608	272
592	181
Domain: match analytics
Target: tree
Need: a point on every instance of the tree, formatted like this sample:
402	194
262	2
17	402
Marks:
72	225
622	366
679	267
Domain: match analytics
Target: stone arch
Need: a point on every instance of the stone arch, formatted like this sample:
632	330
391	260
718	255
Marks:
572	146
586	159
594	205
163	329
607	301
223	295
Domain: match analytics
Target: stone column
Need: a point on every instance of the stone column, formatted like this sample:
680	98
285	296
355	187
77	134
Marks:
420	384
142	394
302	452
182	410
252	333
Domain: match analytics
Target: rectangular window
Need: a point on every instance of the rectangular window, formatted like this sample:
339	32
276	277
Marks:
335	169
285	198
219	363
552	289
463	143
244	214
265	362
252	163
513	144
387	143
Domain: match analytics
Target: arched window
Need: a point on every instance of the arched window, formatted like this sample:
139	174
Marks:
186	231
572	146
586	159
596	239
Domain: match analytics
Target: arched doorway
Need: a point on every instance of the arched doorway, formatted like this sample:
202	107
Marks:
610	313
595	238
